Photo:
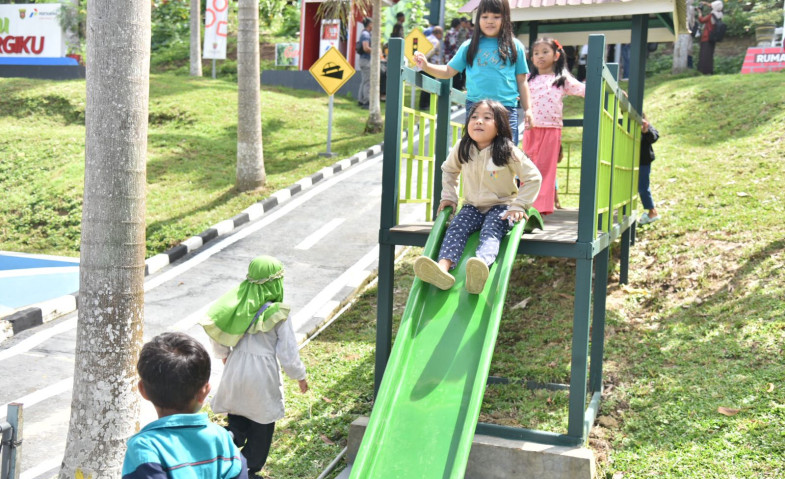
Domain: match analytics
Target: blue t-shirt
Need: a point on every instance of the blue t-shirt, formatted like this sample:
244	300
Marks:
183	446
488	77
365	36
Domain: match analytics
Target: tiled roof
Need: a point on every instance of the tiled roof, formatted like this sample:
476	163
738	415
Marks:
551	3
472	4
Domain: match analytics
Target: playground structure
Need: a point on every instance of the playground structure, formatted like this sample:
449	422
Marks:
430	385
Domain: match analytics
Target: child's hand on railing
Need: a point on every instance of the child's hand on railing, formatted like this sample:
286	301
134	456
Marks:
420	60
444	204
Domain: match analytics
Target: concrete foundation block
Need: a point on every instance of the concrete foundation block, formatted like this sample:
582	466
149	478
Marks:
496	458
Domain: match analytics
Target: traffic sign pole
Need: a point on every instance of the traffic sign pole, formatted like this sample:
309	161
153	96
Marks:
329	153
331	71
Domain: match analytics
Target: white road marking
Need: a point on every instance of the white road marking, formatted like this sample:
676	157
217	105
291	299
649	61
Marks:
15	273
43	467
38	338
41	395
317	235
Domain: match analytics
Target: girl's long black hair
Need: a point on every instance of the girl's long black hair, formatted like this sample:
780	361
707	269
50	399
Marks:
501	147
558	67
507	50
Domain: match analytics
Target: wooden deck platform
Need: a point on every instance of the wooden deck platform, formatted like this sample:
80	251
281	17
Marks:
560	234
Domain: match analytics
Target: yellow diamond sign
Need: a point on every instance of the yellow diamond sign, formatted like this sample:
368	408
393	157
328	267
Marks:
416	42
331	71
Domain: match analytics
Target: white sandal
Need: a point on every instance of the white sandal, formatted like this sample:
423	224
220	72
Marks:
476	275
429	271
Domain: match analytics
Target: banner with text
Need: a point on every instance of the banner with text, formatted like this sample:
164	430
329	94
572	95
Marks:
31	30
216	18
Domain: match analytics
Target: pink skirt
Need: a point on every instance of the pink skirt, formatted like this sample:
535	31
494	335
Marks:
542	146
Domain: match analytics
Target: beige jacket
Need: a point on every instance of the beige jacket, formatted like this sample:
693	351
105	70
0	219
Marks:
486	185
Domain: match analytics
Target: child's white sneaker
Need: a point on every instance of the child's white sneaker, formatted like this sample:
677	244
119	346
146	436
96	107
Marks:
645	219
429	271
476	275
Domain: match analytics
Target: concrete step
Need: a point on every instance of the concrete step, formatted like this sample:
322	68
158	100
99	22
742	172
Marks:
496	458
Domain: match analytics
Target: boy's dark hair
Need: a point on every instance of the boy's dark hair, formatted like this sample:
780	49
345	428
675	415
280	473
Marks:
558	66
455	23
501	146
507	50
400	15
173	368
367	21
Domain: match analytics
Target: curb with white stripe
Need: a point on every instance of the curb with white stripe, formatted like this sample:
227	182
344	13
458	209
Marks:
40	313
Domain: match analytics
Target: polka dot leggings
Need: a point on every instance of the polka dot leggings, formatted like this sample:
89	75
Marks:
492	229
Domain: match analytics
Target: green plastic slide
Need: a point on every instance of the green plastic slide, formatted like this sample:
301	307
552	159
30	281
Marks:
429	401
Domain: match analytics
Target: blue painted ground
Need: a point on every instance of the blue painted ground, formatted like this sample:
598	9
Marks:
28	279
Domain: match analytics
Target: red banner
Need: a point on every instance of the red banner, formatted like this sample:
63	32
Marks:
764	59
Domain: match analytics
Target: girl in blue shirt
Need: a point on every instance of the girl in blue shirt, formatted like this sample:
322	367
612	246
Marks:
495	63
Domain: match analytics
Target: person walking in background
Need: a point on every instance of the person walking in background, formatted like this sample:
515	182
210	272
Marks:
251	333
550	82
364	50
494	61
706	55
489	163
451	44
583	57
434	56
648	136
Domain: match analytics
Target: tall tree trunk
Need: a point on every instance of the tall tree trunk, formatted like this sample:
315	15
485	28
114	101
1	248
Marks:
196	39
374	123
682	48
105	403
250	160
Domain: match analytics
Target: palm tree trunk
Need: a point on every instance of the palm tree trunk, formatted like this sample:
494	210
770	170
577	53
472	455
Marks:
105	404
374	123
250	160
196	40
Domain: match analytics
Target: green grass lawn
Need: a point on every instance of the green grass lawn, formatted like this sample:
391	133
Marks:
192	147
699	328
694	377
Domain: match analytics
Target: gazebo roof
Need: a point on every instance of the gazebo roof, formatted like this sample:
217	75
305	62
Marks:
572	21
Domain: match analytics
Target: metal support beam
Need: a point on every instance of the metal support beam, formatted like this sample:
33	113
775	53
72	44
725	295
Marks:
389	213
591	138
598	320
638	52
580	347
11	436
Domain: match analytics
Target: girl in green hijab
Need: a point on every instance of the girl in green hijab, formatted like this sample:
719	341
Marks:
249	331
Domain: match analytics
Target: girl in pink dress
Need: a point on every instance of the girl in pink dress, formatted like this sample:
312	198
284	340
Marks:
549	82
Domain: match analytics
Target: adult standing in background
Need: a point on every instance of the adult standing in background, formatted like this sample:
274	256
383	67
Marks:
435	57
706	56
451	44
363	96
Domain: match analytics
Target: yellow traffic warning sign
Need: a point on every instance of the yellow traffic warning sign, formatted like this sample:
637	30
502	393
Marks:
331	71
416	42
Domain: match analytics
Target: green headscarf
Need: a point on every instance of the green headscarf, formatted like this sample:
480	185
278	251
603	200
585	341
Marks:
228	319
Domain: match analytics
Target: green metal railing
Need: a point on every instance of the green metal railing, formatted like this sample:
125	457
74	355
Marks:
618	154
418	149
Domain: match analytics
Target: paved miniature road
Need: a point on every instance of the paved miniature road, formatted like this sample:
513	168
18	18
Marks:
327	239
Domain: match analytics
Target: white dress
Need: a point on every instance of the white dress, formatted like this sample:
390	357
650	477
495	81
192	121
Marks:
251	385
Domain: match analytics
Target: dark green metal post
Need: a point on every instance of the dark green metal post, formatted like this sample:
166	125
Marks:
534	27
598	320
591	138
392	152
640	35
442	147
580	347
